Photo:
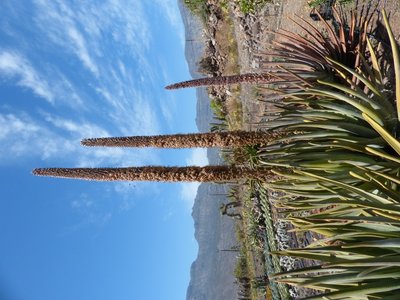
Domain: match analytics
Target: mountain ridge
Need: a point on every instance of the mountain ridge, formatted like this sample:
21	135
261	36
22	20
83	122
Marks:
211	274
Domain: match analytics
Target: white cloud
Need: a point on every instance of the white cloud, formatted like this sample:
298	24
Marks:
49	84
13	64
131	109
80	28
81	130
24	138
92	212
198	157
58	22
111	95
188	191
166	111
11	125
81	50
83	202
65	90
89	31
172	14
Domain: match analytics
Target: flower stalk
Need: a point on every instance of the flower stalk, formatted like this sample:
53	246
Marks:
251	78
193	140
158	173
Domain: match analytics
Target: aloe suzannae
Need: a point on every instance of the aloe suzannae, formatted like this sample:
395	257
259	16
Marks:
338	167
340	175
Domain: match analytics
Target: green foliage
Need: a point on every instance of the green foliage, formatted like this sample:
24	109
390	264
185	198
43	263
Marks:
198	7
194	5
208	66
220	116
251	153
242	268
247	155
315	3
218	109
250	6
339	170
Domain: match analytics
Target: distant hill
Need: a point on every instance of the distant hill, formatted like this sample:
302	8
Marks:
212	272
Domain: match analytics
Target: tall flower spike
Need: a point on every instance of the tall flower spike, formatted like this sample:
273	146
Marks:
156	173
224	80
193	140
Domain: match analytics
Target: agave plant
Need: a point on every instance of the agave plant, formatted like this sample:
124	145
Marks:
340	166
300	61
340	173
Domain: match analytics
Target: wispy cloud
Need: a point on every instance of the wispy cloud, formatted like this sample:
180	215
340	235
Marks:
66	92
121	103
71	127
81	49
123	79
80	28
94	61
25	138
82	202
172	14
22	136
16	65
11	125
49	84
131	109
58	22
92	212
188	192
91	157
198	157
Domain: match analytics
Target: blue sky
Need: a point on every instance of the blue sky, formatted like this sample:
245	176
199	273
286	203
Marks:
75	69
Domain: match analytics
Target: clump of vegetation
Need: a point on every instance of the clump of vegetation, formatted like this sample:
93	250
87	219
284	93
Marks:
341	166
199	8
315	3
208	66
242	275
250	6
254	261
249	284
218	109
